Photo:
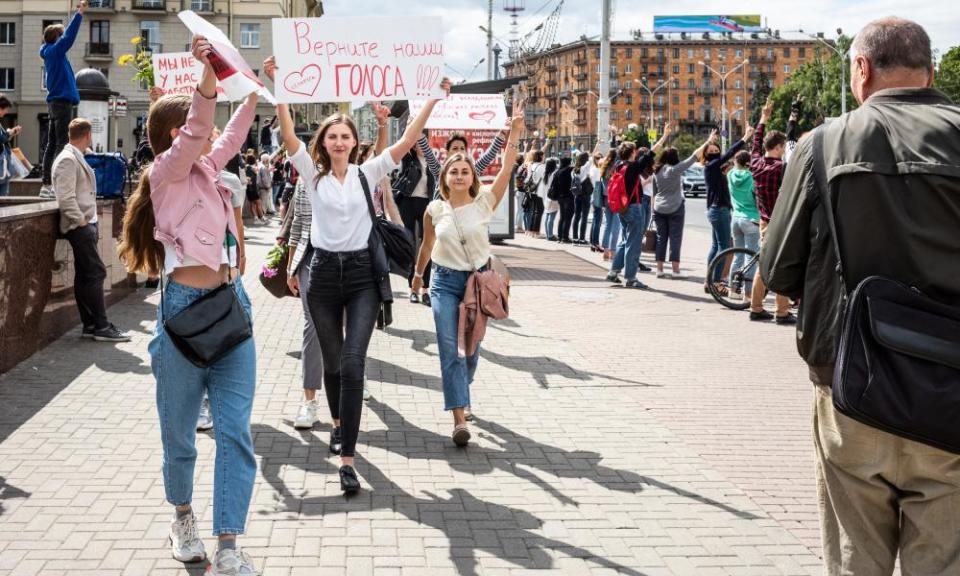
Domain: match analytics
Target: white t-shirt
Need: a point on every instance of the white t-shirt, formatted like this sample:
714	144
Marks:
595	175
647	186
420	190
341	219
473	220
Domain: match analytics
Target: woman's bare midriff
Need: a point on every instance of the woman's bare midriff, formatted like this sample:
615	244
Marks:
202	277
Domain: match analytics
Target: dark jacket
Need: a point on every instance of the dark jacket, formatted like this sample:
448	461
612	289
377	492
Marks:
631	178
61	84
561	184
893	167
718	192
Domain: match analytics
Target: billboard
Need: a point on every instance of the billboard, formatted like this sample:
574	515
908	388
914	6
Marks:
741	23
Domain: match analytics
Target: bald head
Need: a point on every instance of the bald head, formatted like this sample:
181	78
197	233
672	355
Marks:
891	52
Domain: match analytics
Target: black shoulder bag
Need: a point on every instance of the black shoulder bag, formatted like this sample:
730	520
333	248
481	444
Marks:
210	327
898	364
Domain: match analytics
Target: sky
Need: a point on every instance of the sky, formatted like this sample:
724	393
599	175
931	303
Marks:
465	44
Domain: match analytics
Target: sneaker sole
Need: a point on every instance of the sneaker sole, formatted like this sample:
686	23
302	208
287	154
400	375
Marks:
191	560
302	426
110	339
461	437
204	428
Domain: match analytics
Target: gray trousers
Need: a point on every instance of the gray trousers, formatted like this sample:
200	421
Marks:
310	355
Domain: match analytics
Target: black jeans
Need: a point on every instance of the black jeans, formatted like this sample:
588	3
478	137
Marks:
344	301
411	212
537	217
89	274
60	113
581	212
669	228
566	218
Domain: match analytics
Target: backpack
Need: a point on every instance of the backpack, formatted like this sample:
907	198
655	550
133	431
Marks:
576	187
617	197
585	185
553	193
407	177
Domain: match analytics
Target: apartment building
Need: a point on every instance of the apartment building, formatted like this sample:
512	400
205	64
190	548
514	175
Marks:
105	35
654	80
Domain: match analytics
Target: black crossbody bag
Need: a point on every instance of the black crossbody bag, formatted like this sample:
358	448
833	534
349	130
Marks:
898	364
210	327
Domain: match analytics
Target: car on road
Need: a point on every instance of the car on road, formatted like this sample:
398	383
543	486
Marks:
693	181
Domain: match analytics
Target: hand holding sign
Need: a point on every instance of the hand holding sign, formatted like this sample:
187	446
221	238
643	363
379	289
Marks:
270	67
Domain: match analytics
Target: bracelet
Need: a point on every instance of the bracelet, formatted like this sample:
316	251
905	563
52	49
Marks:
418	275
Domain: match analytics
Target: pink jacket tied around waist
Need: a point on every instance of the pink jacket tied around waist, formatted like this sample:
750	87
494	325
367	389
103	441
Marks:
192	210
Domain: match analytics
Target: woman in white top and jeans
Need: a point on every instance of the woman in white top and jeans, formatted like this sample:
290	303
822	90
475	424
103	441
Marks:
345	292
463	212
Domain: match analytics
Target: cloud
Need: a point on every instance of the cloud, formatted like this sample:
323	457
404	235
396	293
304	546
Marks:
466	43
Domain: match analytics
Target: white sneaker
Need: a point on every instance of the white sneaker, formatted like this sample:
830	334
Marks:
185	542
47	192
233	563
205	420
307	416
366	391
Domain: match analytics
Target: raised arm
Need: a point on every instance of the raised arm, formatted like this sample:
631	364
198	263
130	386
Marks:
667	132
490	154
432	163
234	134
698	152
758	151
415	128
383	116
174	164
499	187
65	42
287	129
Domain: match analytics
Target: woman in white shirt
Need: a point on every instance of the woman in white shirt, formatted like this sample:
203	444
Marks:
456	240
345	291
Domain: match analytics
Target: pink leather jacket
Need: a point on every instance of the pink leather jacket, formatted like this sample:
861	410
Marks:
192	209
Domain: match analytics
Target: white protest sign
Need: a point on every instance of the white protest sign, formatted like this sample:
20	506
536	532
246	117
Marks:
233	73
465	112
350	59
179	73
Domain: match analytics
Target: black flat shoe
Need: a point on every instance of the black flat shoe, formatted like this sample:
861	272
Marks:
425	299
336	440
349	482
414	299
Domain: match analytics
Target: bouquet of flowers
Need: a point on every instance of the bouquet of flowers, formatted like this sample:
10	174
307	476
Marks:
142	59
273	272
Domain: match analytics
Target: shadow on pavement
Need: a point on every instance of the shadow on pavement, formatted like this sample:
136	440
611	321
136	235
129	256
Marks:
468	523
8	492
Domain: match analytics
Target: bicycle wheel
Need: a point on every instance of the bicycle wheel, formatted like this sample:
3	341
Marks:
734	295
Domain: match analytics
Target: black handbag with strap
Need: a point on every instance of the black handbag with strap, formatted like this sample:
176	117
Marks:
898	363
210	327
398	245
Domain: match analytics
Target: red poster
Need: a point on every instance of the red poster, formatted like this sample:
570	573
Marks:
477	143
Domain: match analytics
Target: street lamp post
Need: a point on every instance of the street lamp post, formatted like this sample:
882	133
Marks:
843	67
723	98
651	93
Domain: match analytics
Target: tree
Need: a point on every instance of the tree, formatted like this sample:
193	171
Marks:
686	144
947	77
759	98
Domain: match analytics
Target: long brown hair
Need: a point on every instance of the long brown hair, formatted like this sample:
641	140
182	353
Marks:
138	249
450	161
319	154
606	165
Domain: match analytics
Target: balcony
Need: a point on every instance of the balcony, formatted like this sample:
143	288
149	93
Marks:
155	47
580	61
581	89
149	5
768	58
99	51
707	91
581	76
580	122
102	6
551	82
202	6
551	67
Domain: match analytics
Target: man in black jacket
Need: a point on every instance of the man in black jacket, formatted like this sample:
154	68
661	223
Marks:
893	168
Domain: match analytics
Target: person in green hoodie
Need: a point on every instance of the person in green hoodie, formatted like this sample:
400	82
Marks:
745	225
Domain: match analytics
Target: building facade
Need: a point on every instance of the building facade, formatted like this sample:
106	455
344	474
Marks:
106	33
652	81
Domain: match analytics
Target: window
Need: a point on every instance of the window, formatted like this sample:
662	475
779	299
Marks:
628	85
613	51
676	99
201	5
739	85
660	100
250	35
598	53
676	84
628	115
706	53
613	114
598	68
613	69
769	68
723	53
676	68
659	53
706	100
43	77
150	32
676	53
676	114
629	52
690	53
802	52
7	78
690	114
689	98
769	52
786	68
739	53
8	33
690	69
644	52
786	51
723	68
738	100
628	99
690	84
99	37
628	69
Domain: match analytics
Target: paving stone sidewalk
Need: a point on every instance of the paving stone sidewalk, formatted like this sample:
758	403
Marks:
618	431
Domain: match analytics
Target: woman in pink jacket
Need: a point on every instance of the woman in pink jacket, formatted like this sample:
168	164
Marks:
180	222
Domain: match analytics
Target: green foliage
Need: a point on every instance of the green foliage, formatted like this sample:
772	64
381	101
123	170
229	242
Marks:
947	77
686	144
819	84
759	97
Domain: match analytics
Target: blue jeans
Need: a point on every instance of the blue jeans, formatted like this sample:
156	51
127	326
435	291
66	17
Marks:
5	188
446	293
551	219
628	251
229	384
595	226
611	232
746	234
719	219
277	193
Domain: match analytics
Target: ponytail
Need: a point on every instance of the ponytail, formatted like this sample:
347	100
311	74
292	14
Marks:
138	249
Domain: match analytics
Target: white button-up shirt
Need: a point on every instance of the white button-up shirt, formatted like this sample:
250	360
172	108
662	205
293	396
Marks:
341	219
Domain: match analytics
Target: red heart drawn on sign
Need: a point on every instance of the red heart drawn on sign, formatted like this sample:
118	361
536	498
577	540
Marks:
487	116
305	82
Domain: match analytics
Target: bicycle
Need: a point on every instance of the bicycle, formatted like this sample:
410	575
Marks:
733	295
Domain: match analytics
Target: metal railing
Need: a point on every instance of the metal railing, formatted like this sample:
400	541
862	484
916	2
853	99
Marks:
149	4
99	50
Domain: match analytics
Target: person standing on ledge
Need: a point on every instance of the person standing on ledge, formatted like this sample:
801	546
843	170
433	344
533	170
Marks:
76	191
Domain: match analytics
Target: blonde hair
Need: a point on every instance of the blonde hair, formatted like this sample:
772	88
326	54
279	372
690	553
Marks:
450	161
